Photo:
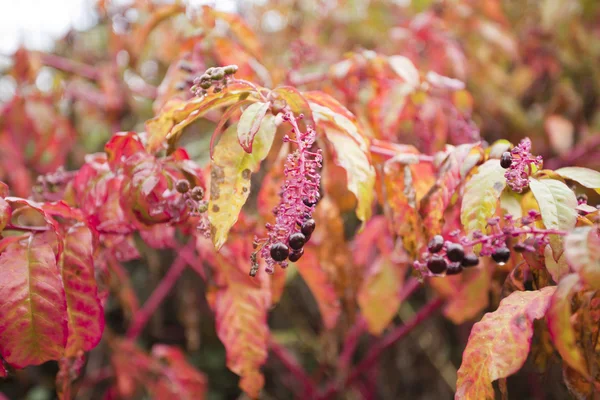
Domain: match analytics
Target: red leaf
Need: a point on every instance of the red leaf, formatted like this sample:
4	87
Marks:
499	344
5	213
85	313
33	315
321	287
122	146
184	381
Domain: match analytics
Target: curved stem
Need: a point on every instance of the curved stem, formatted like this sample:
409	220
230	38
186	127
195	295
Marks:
294	367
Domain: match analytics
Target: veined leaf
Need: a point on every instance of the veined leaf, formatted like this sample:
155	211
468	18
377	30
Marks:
33	312
481	196
582	249
584	176
557	205
556	268
322	289
295	101
85	313
241	322
499	344
231	169
559	324
249	124
455	168
378	296
178	114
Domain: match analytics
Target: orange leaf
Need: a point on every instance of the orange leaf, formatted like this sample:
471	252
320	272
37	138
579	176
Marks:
499	343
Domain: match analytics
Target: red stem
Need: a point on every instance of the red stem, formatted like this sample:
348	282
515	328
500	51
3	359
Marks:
517	232
26	228
373	355
142	317
308	386
71	66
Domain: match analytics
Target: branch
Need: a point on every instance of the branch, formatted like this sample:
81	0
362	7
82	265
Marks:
294	367
373	355
158	295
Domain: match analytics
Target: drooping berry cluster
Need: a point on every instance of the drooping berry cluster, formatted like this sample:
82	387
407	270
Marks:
518	163
294	224
194	199
215	77
449	257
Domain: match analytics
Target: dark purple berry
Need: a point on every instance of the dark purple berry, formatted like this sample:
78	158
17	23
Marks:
297	240
296	254
501	255
454	269
182	186
437	264
506	160
435	244
455	252
470	260
309	203
279	251
519	247
308	227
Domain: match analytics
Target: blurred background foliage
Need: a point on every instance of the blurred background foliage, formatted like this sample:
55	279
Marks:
531	68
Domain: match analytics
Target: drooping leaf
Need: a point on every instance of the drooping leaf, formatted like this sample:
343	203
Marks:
295	101
231	170
249	124
176	115
321	287
241	319
85	313
453	171
33	314
556	268
378	296
557	205
499	343
122	146
584	176
559	323
481	196
401	198
582	249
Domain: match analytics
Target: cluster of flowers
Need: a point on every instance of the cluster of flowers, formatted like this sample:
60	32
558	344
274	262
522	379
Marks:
215	77
449	256
518	163
294	224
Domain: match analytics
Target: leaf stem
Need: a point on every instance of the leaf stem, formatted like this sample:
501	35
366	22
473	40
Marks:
21	228
294	367
70	66
373	355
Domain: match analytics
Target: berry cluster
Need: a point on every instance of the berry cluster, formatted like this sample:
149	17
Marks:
518	163
449	257
215	77
294	224
194	199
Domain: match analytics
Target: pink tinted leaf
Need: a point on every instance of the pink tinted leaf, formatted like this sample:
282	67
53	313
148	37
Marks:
249	124
85	312
5	213
559	323
499	344
582	249
122	146
183	380
33	314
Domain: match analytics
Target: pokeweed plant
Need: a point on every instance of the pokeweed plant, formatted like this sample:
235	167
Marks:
369	179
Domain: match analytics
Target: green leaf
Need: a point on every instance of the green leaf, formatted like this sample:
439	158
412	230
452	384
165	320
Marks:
557	204
231	169
584	176
499	344
582	249
559	323
249	124
481	196
33	314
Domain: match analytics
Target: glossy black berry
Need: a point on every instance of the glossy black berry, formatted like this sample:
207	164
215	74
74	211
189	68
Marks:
279	251
435	244
519	247
297	240
455	252
437	264
296	254
501	255
309	203
470	260
454	269
308	227
506	160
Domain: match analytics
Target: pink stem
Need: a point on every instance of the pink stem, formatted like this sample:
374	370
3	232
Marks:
294	367
12	227
71	66
517	232
142	317
373	355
